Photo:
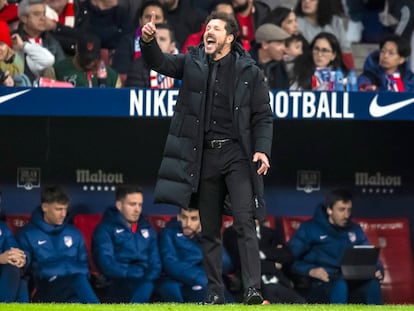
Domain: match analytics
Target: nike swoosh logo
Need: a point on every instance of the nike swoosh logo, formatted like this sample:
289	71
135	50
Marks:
323	237
7	97
378	111
41	242
119	230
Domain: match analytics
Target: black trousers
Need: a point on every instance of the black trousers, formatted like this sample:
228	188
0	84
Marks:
223	171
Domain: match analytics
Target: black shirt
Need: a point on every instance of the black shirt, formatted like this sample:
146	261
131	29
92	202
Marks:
218	116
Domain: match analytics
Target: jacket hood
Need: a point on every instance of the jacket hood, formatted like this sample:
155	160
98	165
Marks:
113	216
38	221
372	65
321	217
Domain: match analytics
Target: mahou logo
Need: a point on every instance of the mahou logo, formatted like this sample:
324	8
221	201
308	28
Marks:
377	183
98	180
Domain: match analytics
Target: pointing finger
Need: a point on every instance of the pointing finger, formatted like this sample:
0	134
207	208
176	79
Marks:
153	17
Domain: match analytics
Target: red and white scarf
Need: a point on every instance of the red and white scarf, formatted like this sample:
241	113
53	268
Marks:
159	81
67	18
395	82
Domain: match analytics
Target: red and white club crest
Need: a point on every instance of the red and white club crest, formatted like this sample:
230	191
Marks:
352	236
68	240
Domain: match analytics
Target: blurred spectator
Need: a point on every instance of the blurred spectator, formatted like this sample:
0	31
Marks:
71	20
140	75
6	80
387	69
219	6
399	16
296	46
315	16
250	15
180	247
275	260
270	55
13	288
125	249
9	60
8	13
318	246
284	18
313	70
109	21
84	69
184	19
128	48
132	7
55	252
41	49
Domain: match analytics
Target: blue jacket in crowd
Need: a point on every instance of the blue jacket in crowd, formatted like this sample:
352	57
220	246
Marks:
7	239
318	243
182	256
52	250
374	74
120	253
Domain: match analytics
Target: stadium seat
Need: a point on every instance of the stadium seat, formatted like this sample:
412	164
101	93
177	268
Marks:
86	223
290	224
15	222
158	222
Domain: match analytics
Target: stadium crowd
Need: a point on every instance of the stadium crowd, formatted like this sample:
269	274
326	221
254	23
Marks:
299	44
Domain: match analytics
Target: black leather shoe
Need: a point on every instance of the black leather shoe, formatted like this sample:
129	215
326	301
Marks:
213	299
253	296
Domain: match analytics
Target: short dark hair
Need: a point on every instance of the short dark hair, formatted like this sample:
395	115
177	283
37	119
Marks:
123	190
278	15
403	46
148	3
54	194
231	24
168	27
339	194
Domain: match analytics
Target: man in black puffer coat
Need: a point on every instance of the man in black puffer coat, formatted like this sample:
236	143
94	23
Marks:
219	143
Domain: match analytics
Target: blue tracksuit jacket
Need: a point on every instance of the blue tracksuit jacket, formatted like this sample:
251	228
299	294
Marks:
120	253
52	250
182	256
7	239
317	243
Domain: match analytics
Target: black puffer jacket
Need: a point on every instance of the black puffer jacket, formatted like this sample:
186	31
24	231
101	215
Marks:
178	176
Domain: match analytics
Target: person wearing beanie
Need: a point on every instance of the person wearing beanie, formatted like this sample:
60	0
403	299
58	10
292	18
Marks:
68	22
10	61
86	69
270	50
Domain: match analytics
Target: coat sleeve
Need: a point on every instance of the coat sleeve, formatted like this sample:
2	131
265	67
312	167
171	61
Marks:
299	244
25	246
38	58
8	239
81	264
153	270
175	267
262	116
171	65
104	256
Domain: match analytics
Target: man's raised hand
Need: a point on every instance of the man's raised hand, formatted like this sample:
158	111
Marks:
149	29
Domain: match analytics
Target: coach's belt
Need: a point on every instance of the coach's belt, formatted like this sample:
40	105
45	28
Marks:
217	143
